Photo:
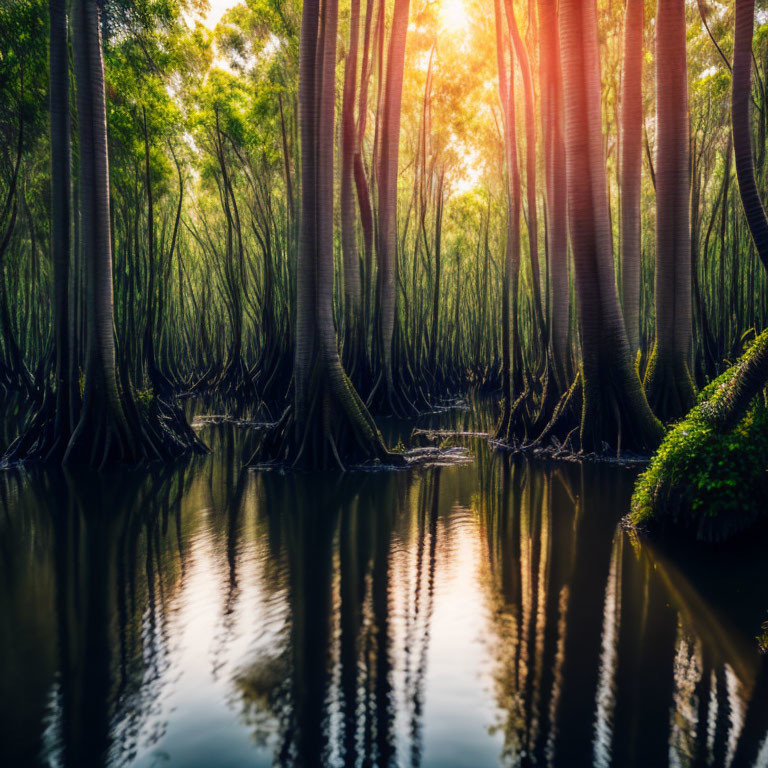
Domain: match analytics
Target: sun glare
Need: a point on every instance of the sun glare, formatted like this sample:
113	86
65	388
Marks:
453	15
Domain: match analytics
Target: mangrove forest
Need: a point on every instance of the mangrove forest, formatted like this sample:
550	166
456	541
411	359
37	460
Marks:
384	383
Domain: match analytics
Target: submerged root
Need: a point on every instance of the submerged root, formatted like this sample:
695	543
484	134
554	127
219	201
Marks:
123	429
42	440
333	431
560	435
147	431
564	423
511	429
391	399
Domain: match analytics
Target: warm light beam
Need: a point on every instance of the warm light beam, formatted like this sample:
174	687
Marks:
453	16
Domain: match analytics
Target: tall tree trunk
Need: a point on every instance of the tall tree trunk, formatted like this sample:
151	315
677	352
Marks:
511	359
742	133
557	214
631	164
433	337
361	180
51	428
328	424
67	395
348	148
111	428
669	384
102	415
530	168
160	383
387	186
615	410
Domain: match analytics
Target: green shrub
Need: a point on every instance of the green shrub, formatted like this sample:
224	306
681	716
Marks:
144	399
710	482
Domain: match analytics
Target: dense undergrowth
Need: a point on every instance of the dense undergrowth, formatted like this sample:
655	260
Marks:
710	482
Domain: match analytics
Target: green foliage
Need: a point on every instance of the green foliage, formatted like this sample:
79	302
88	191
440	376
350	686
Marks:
702	479
762	638
144	399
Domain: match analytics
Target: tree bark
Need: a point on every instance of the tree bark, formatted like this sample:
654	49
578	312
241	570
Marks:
669	384
67	396
551	77
328	424
530	167
615	411
387	187
111	429
102	407
742	133
511	362
631	164
348	149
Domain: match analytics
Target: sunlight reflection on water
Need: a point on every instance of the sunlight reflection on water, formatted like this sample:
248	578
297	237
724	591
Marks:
468	615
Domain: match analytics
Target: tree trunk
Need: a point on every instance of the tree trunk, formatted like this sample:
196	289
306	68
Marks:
102	406
348	148
530	167
631	164
742	133
67	395
387	186
111	428
361	180
511	359
551	77
668	380
615	411
327	425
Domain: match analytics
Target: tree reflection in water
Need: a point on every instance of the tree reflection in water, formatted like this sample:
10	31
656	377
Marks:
475	614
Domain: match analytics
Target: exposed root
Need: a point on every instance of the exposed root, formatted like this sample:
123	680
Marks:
156	431
40	440
669	387
443	433
334	431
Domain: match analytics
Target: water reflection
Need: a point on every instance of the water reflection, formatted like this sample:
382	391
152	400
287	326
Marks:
476	615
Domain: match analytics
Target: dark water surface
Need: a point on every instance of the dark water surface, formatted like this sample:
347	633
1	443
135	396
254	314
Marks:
487	613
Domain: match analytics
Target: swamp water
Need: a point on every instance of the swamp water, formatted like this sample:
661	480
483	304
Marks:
478	614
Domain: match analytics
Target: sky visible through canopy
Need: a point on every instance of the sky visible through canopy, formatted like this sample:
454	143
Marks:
459	68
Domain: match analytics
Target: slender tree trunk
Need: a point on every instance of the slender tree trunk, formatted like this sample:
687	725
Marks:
530	167
631	164
511	373
328	424
51	428
387	185
102	407
361	180
615	411
111	429
158	380
433	341
348	149
669	384
742	133
67	395
551	78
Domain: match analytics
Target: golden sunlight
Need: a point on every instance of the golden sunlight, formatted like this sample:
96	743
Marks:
453	15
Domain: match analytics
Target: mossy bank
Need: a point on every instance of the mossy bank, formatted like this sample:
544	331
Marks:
710	474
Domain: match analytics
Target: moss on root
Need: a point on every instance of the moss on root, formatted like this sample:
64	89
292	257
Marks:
708	480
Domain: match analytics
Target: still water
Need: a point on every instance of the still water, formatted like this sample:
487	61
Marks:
479	614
